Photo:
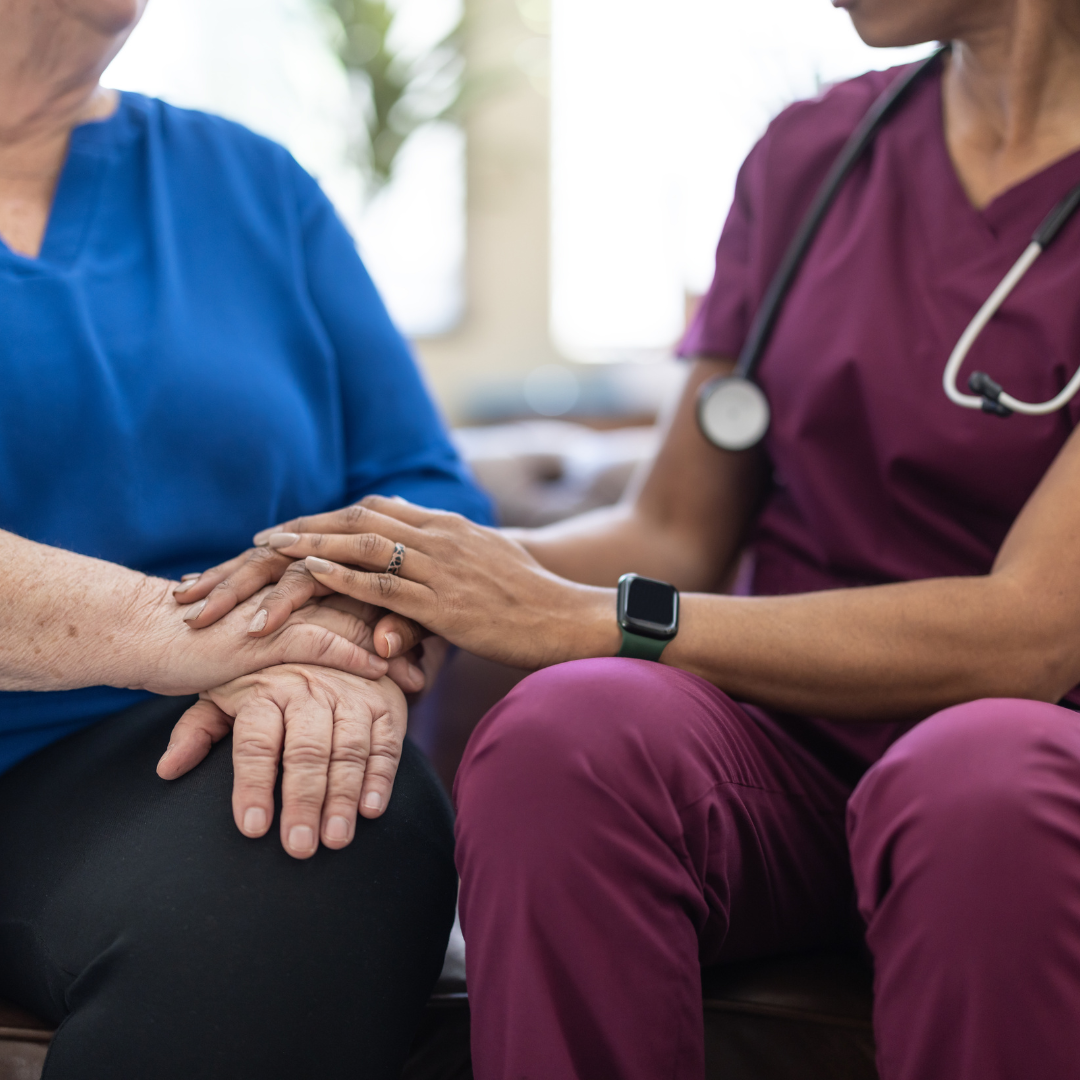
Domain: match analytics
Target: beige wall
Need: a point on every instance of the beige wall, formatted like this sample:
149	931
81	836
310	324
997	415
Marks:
505	328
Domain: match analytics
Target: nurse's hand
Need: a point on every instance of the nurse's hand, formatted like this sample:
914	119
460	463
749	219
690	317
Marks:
214	593
337	738
472	585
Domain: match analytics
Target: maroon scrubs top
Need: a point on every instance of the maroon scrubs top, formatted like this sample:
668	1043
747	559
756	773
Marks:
878	476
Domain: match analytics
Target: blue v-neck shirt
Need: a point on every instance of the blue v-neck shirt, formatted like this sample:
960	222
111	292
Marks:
197	353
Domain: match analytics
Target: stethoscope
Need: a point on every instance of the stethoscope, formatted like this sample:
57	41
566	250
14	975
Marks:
732	410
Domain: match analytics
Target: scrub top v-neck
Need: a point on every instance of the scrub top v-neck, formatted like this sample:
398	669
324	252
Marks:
196	353
878	477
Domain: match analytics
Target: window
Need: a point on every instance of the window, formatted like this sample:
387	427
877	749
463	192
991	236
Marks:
654	106
269	64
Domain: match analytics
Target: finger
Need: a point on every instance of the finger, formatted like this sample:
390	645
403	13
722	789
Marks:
311	643
403	671
309	728
344	625
195	732
258	735
394	635
350	519
196	586
260	567
408	598
387	737
349	752
370	551
294	589
396	507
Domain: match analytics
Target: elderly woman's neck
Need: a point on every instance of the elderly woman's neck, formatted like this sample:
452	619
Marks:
1012	95
50	63
33	147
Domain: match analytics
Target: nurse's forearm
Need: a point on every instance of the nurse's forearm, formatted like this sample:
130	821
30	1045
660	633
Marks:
67	620
596	548
885	652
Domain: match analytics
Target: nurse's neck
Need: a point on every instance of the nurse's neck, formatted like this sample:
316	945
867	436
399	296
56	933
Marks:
1012	93
50	63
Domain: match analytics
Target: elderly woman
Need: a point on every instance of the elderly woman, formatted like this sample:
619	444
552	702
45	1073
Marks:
191	350
914	618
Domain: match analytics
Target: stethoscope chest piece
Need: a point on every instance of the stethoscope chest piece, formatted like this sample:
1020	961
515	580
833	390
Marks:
733	412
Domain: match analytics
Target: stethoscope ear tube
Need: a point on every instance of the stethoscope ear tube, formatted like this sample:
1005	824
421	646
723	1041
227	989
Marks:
988	395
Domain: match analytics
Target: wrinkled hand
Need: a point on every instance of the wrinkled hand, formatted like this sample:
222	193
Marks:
472	585
217	591
337	737
180	660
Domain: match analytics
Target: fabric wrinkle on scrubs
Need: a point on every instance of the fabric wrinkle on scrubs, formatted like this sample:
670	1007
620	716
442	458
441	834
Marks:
878	477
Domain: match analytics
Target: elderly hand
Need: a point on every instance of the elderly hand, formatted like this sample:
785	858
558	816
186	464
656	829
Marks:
472	585
177	660
337	737
213	593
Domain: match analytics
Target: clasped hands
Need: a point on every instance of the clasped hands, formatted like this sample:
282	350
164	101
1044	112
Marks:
339	736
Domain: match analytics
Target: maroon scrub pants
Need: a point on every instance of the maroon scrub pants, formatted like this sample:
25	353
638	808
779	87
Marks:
621	823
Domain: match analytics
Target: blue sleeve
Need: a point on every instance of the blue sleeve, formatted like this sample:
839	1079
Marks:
396	443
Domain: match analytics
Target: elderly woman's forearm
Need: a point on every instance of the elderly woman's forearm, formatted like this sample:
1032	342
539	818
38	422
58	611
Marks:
67	620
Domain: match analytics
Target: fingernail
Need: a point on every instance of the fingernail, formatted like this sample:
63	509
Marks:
318	566
190	577
260	538
379	666
372	801
185	585
337	828
416	673
280	540
393	645
259	621
301	838
194	612
255	820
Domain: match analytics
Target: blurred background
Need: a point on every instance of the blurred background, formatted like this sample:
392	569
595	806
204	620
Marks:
537	186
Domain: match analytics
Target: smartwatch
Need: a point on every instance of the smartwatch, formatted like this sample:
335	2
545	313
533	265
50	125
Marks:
648	614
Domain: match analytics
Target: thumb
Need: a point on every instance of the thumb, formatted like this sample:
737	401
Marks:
196	731
394	635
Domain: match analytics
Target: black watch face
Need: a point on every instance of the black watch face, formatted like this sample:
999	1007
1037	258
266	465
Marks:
648	607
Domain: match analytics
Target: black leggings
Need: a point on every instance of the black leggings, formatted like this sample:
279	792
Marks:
166	945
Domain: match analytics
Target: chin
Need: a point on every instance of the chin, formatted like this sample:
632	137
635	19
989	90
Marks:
109	17
891	24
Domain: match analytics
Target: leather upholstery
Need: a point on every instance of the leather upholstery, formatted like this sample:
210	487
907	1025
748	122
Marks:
23	1042
786	1018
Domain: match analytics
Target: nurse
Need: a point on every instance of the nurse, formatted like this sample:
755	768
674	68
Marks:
884	713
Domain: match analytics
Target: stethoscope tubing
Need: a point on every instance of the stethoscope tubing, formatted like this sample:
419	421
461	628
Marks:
733	412
1043	238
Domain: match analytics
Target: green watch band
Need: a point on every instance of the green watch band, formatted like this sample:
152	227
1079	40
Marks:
638	647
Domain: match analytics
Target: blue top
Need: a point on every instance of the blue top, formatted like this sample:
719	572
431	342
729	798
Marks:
197	353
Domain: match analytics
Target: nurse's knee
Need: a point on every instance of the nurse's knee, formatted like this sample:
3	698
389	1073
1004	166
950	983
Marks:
562	732
978	771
